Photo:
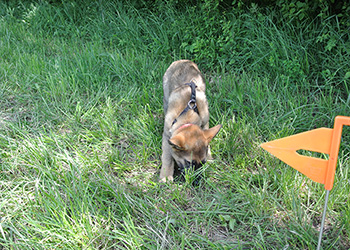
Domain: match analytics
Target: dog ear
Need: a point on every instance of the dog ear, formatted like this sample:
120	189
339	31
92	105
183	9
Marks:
177	142
209	134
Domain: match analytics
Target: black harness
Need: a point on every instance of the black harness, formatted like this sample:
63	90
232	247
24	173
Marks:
191	105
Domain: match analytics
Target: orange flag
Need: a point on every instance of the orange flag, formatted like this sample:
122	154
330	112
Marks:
322	140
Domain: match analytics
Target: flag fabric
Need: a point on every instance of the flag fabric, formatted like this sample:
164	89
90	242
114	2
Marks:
322	140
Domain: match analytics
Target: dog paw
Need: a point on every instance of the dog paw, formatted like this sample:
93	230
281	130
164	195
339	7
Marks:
166	179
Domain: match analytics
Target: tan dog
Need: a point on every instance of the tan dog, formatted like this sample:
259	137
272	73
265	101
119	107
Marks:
186	134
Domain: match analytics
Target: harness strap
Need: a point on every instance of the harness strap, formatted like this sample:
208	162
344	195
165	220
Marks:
191	105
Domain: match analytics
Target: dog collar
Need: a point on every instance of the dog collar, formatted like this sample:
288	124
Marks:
185	125
191	105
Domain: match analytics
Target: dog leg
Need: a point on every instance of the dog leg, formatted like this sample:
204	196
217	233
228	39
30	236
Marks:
167	170
209	157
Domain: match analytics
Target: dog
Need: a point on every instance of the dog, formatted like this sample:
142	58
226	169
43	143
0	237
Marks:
186	134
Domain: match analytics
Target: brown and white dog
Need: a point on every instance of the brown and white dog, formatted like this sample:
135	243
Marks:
186	134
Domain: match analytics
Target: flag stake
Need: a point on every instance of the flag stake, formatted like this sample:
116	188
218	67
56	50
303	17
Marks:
323	219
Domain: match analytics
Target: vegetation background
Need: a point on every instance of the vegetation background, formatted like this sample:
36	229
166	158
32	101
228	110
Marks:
81	122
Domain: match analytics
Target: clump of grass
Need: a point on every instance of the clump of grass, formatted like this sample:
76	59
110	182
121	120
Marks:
81	122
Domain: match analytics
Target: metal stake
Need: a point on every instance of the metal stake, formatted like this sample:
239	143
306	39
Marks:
323	219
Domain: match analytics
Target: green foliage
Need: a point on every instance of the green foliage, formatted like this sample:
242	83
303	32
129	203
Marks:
217	35
327	13
205	34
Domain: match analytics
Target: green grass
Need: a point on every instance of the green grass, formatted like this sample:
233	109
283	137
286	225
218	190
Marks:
81	122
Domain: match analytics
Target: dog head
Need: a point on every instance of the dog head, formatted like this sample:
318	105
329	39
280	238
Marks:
190	145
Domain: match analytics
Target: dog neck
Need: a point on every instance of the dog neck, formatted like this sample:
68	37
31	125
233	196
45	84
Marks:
191	105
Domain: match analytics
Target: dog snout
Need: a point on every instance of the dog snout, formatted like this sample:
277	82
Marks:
190	164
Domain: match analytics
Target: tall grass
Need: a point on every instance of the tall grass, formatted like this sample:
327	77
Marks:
81	121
